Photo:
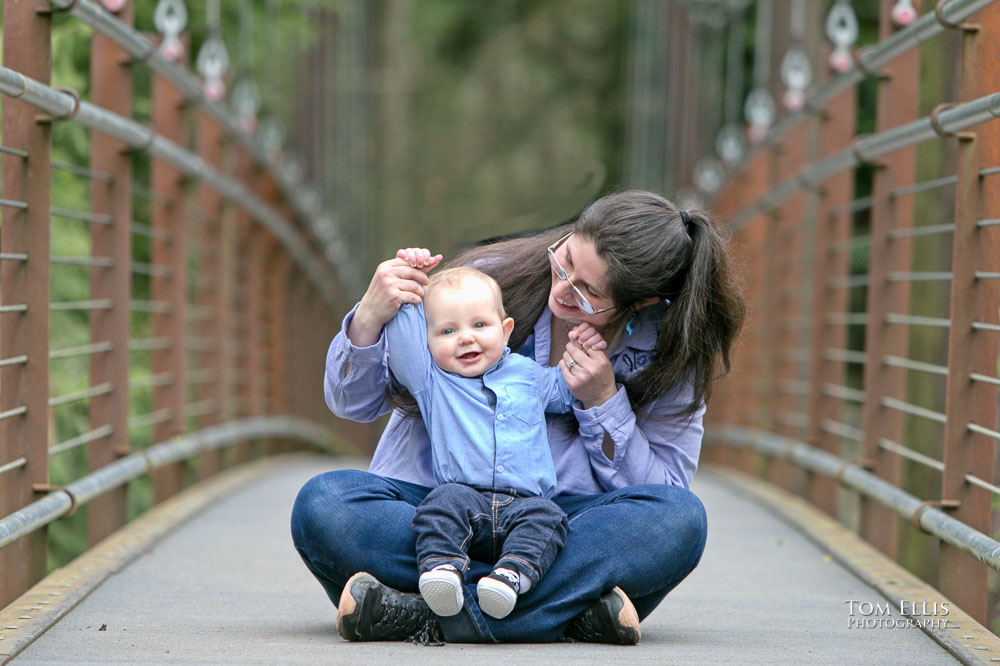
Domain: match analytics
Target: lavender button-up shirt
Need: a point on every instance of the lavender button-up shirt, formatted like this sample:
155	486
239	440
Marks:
649	447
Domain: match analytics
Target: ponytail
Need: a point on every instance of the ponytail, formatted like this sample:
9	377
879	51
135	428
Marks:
652	248
702	321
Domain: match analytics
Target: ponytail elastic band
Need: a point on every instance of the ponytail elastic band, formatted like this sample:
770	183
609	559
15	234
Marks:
685	217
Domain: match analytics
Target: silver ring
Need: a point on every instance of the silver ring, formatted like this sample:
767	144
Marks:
569	366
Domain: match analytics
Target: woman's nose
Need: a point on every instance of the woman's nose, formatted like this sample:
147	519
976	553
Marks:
564	290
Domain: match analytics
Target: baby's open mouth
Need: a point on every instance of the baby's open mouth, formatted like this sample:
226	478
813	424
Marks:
469	356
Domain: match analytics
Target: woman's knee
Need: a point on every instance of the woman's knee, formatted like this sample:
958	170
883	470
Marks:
323	500
673	521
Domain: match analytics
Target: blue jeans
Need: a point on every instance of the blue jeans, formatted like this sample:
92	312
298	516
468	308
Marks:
644	538
517	532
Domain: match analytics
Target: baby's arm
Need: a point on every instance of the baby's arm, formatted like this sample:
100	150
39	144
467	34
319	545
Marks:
406	333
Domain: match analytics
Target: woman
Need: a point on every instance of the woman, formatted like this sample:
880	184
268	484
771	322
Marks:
655	281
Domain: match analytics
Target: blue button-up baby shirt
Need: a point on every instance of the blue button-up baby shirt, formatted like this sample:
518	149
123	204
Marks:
485	431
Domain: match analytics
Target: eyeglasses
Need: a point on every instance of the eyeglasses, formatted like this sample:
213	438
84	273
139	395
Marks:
561	273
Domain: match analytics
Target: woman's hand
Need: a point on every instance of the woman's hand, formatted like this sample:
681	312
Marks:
395	282
586	367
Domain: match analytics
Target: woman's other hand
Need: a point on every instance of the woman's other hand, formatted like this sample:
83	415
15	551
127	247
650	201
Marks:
586	367
395	282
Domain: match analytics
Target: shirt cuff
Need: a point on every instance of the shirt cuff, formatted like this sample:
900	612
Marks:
612	417
361	356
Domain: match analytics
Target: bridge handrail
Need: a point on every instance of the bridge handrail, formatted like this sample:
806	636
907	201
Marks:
869	61
870	266
64	500
869	148
143	49
63	105
926	516
156	281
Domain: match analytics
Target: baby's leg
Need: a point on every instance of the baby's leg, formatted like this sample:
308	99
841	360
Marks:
444	525
536	530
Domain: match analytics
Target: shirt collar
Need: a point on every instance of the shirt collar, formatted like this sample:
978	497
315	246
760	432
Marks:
646	329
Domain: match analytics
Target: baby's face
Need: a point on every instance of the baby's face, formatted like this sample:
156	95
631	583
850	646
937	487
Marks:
465	333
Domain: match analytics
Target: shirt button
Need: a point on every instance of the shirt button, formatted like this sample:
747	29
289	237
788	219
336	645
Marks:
499	417
500	468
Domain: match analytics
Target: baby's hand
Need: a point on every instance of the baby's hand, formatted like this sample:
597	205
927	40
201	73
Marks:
587	337
419	257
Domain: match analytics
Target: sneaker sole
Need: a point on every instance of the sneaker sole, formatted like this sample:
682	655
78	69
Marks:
628	618
348	604
443	598
494	601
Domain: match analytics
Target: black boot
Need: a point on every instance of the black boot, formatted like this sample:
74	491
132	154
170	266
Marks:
371	611
612	619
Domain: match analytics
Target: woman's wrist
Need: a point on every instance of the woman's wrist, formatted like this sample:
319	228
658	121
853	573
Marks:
601	399
362	331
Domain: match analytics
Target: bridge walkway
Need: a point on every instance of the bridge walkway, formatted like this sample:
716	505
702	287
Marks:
763	594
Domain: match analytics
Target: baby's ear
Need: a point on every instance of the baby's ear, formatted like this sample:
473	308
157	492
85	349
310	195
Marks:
508	327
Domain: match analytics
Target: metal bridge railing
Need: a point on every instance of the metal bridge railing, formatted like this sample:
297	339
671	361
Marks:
867	379
165	303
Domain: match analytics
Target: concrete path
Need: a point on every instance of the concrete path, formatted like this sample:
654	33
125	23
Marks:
228	588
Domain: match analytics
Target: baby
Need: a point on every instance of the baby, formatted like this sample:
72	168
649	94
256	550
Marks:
484	411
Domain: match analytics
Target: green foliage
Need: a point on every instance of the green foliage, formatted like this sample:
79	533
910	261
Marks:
515	119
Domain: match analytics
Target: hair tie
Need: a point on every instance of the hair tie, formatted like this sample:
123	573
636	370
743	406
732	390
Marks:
685	217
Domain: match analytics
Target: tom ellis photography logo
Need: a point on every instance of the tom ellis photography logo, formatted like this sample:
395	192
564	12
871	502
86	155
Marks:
904	615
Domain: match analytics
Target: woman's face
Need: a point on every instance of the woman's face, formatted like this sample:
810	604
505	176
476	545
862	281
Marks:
588	272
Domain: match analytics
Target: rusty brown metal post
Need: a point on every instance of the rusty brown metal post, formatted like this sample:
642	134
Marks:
767	223
833	229
279	271
256	357
224	299
243	303
209	234
24	430
169	282
898	96
111	88
786	256
277	268
753	350
962	578
682	51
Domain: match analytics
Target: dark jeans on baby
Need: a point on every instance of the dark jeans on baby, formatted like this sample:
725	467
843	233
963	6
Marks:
518	532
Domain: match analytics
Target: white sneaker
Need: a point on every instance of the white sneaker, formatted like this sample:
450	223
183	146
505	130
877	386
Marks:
497	595
442	590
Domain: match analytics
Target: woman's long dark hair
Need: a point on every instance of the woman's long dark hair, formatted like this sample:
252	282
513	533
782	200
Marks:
651	251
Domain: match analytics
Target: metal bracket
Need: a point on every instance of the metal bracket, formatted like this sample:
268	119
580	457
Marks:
923	506
861	159
50	8
936	123
940	131
48	488
76	103
857	55
863	463
47	118
149	141
964	26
